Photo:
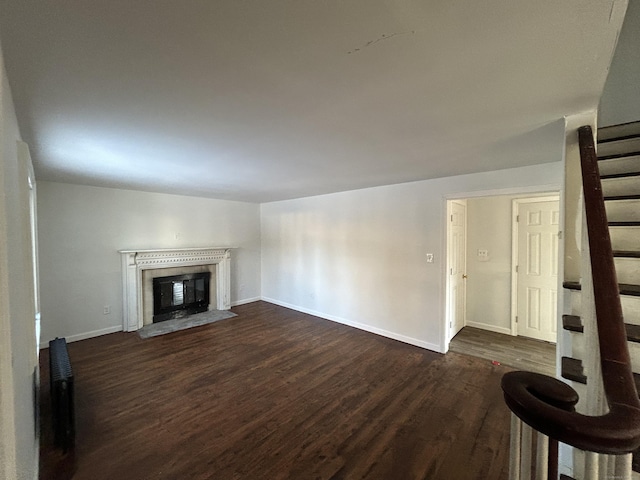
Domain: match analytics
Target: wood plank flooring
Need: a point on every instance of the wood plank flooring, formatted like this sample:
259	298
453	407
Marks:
521	353
277	394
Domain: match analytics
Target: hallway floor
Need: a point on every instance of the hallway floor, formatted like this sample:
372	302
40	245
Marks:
521	353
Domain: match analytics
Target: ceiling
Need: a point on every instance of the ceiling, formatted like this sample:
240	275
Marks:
263	100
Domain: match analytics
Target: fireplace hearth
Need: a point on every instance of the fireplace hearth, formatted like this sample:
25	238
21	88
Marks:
177	296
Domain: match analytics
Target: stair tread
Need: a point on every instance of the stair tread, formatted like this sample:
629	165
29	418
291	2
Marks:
572	370
613	198
631	223
629	289
626	253
573	323
633	332
617	155
630	136
625	288
612	158
619	175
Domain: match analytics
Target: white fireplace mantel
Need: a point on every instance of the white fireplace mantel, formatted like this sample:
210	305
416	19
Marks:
135	261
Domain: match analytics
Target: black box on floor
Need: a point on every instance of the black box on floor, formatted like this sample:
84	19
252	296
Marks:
62	401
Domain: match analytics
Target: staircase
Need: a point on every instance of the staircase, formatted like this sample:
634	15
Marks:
598	411
619	165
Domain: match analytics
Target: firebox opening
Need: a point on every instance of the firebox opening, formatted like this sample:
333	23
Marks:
180	295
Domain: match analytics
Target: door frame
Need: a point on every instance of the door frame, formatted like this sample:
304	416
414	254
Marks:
514	250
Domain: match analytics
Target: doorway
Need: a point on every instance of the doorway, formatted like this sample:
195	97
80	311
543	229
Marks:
489	299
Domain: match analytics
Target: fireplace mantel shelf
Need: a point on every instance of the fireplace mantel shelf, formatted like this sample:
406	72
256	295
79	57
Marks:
135	261
164	250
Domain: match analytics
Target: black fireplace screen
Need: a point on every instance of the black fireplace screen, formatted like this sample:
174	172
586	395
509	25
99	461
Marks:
180	295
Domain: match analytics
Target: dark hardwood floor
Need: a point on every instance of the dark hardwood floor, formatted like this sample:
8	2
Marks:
277	394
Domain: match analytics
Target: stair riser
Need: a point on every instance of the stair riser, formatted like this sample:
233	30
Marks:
621	186
579	352
581	390
625	238
618	147
575	303
634	353
615	131
619	165
628	270
623	210
578	346
630	307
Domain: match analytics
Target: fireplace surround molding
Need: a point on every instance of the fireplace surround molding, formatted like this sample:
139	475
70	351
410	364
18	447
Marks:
134	262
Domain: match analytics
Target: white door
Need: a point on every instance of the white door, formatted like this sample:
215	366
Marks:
537	268
457	266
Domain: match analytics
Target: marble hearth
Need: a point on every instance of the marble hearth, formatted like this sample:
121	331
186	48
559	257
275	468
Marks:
139	267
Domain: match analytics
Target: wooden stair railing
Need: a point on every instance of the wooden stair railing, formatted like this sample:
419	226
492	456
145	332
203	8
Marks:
546	404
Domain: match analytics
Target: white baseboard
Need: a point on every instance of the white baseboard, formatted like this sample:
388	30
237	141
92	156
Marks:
118	328
245	301
491	328
84	336
361	326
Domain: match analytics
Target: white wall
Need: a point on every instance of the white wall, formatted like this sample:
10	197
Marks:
620	101
489	282
18	352
82	228
358	257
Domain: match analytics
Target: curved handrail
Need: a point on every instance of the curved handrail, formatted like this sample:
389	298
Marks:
547	404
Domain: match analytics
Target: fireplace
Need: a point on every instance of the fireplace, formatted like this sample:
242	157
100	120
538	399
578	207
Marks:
177	296
141	267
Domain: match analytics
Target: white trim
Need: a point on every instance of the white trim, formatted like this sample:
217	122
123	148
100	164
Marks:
447	283
118	328
491	328
25	155
444	280
160	256
8	461
531	191
245	301
360	326
515	211
86	335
